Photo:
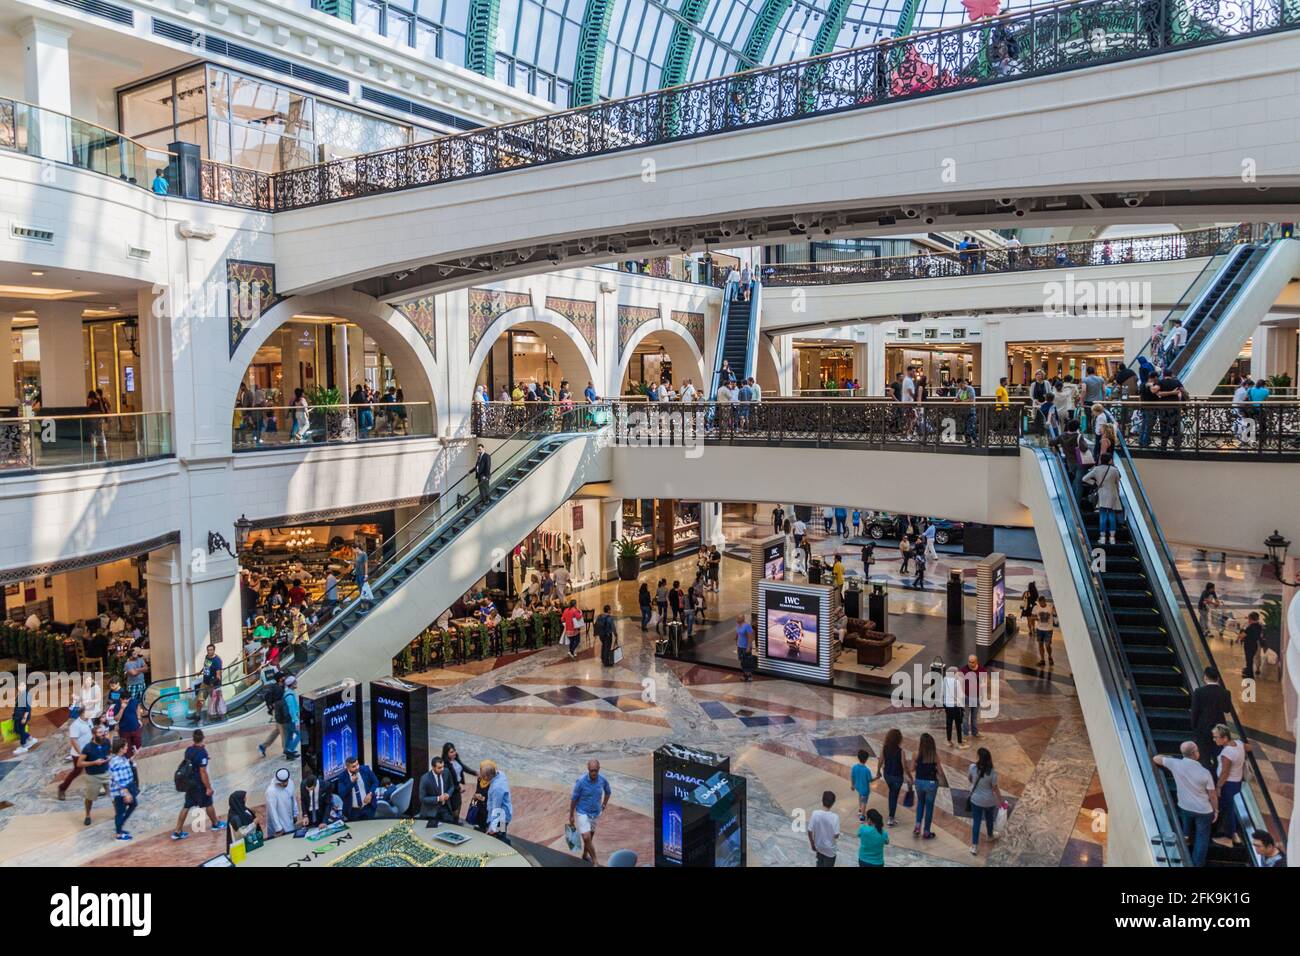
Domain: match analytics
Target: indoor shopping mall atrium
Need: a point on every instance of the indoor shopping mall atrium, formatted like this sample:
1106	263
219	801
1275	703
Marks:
659	434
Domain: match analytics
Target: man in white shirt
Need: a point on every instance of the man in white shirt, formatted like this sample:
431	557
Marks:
1198	798
1175	339
725	397
80	732
688	391
824	830
118	625
800	529
755	393
909	388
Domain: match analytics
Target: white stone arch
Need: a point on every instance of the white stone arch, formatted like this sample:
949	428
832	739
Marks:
394	333
677	342
570	348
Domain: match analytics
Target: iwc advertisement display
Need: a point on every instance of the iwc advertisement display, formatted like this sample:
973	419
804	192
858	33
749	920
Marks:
331	729
399	728
794	630
699	809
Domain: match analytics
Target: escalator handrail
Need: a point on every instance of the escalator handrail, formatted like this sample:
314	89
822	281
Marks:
1251	259
1155	786
1240	236
1184	633
239	704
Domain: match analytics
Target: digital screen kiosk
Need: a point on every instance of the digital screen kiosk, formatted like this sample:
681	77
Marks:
399	728
332	728
686	832
991	600
766	563
794	637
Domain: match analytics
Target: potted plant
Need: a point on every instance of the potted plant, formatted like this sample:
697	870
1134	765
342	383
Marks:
628	559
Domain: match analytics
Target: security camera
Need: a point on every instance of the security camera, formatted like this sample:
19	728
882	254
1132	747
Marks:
729	229
930	216
911	212
1133	200
1005	201
584	246
658	237
801	222
1023	208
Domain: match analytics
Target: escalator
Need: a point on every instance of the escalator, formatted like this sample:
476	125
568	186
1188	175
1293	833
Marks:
1150	638
1224	305
425	574
736	335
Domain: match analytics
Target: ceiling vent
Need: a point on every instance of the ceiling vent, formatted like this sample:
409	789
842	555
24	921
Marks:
135	252
97	8
30	233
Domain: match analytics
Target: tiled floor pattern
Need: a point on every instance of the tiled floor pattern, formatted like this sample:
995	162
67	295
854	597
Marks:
542	716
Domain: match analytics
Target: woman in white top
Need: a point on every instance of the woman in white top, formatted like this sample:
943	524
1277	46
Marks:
91	698
1232	766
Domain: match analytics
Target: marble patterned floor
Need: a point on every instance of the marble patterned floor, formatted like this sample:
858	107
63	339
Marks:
542	716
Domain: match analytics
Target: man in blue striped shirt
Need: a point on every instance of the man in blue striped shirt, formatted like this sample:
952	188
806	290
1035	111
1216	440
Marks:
500	811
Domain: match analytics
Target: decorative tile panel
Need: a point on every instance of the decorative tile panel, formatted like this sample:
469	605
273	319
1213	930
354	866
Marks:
581	312
631	318
488	305
419	312
694	323
250	290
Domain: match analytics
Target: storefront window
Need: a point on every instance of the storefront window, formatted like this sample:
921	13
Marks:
348	132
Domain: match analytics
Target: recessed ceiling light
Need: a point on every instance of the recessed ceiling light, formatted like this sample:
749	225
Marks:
38	272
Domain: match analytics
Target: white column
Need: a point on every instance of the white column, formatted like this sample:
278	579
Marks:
47	83
74	596
168	654
993	355
8	391
875	379
63	355
711	523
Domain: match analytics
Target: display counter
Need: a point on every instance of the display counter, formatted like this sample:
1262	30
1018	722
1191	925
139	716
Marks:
386	843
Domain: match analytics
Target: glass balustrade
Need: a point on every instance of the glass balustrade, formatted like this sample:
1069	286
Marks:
73	441
284	425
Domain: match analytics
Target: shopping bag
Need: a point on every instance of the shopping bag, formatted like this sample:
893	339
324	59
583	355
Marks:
238	852
253	840
654	618
367	594
618	653
572	838
7	731
1000	821
217	703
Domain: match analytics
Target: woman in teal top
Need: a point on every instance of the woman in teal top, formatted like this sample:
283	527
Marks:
872	839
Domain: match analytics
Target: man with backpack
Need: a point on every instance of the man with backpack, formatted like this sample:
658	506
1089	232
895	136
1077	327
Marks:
282	704
191	778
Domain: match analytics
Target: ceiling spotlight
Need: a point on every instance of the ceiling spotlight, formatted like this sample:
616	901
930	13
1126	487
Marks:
801	221
444	271
38	272
554	254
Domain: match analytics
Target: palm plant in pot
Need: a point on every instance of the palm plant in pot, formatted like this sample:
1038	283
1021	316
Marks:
629	559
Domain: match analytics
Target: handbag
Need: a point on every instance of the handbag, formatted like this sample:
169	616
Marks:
254	839
474	815
909	798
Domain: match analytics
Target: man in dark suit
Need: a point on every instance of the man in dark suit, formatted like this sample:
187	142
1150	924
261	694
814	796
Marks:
483	472
314	799
1210	703
356	788
436	789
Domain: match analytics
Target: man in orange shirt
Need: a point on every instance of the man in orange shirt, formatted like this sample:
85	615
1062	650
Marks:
572	619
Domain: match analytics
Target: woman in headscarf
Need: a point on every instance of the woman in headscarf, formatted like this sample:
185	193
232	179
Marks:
239	819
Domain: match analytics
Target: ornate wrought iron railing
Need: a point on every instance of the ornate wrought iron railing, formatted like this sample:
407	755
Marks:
1270	429
278	426
1208	427
1166	247
1035	42
237	186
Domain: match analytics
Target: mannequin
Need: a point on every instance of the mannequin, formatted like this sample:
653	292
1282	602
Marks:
580	559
